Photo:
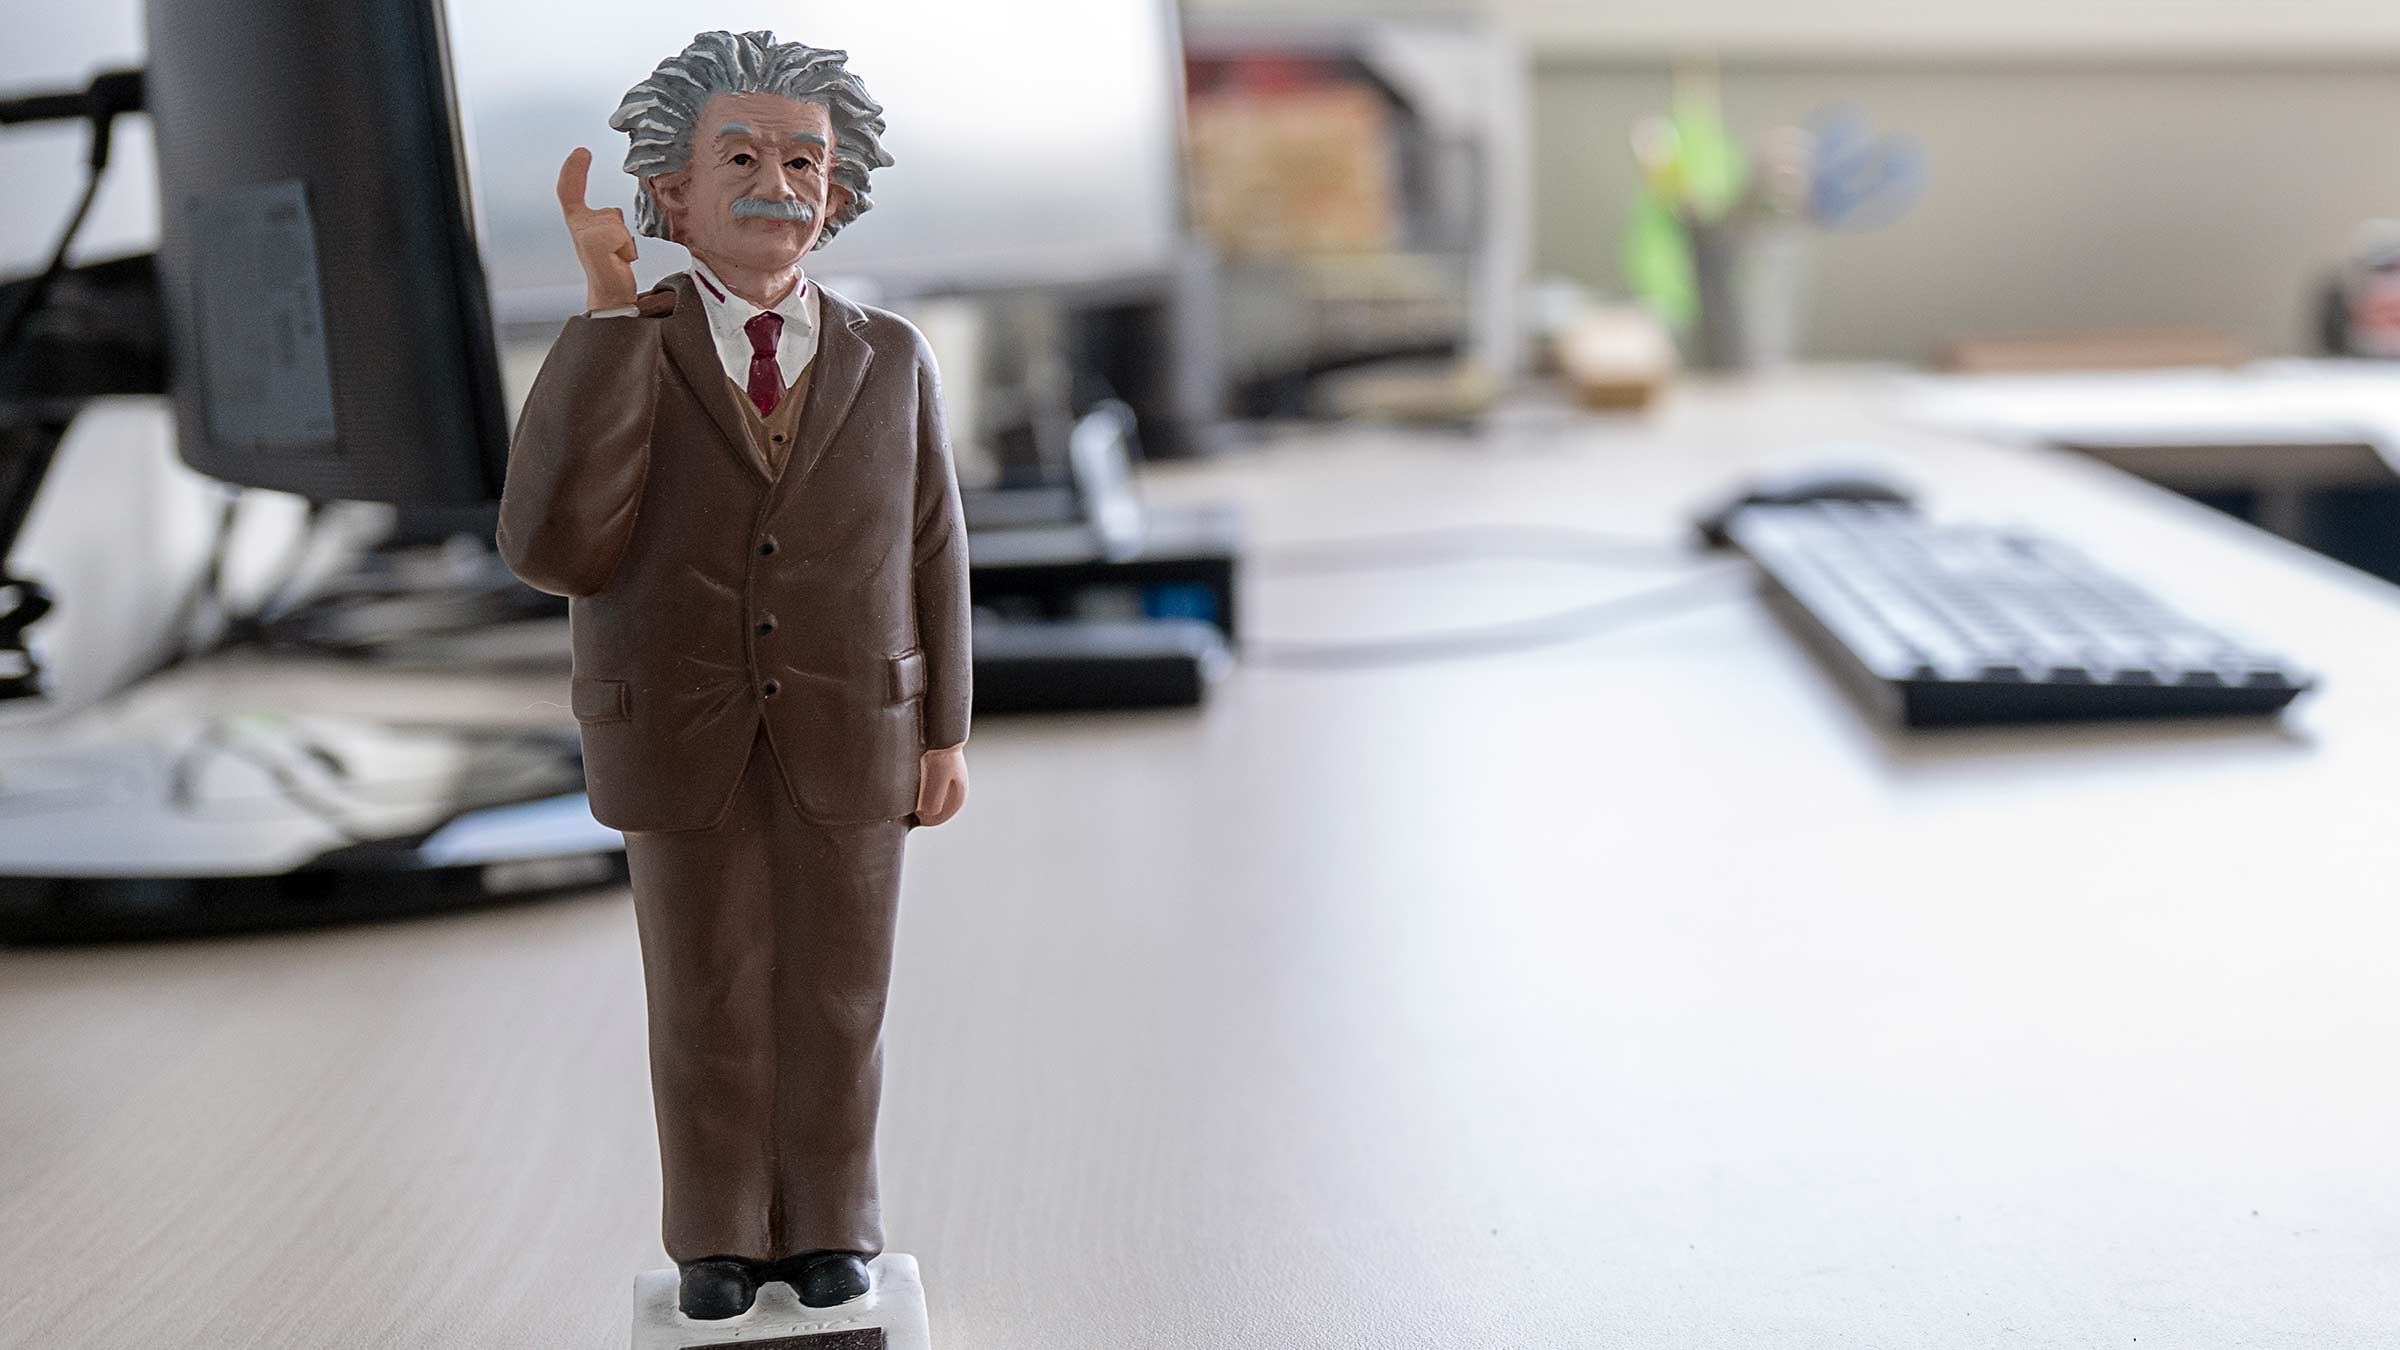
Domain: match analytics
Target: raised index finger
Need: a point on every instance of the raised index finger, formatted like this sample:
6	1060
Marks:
572	176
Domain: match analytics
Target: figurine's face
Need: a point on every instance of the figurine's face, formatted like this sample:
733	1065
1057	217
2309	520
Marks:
757	192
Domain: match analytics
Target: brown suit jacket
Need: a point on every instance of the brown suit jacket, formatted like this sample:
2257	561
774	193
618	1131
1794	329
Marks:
828	602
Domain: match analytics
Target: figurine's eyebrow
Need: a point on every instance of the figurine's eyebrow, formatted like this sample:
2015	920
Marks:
745	129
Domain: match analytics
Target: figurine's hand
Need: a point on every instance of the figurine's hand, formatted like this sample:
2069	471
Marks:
941	784
602	243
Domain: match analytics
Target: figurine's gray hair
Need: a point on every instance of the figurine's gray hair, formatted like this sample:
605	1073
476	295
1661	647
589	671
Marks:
662	112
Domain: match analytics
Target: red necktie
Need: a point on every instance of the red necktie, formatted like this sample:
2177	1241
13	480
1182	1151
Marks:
766	380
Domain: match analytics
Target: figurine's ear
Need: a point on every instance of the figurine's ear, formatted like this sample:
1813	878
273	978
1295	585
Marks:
837	200
673	192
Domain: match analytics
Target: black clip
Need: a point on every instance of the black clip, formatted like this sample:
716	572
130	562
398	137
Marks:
23	602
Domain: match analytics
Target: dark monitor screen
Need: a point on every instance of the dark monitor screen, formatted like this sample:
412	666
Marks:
329	327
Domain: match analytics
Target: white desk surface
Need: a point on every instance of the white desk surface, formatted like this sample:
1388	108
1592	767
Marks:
1632	992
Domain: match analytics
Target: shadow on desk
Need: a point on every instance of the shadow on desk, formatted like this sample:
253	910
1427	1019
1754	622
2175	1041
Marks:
1918	751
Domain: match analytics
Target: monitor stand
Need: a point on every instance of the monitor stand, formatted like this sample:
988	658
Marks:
112	828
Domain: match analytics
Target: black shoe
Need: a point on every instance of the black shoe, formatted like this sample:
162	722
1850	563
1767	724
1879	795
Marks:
823	1279
716	1289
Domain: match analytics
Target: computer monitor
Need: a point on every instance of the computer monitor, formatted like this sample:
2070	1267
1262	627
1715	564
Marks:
1036	141
328	325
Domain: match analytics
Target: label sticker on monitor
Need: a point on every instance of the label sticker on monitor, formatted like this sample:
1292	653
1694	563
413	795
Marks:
260	317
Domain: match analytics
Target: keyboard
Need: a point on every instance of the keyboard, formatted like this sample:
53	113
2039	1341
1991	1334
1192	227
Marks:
1952	625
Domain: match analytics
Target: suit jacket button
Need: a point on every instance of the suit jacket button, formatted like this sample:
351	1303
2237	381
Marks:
766	547
771	688
766	625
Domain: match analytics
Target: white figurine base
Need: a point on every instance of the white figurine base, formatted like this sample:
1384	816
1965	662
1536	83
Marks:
889	1316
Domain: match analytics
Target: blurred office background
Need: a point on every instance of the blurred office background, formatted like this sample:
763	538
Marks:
1208	220
1490	895
2191	165
2229	149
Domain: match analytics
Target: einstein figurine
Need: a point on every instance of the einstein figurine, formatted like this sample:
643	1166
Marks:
743	481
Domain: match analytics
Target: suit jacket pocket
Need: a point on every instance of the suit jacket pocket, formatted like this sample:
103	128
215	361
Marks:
597	701
908	676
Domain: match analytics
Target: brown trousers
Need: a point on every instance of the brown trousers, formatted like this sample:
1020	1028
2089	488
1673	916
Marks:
767	952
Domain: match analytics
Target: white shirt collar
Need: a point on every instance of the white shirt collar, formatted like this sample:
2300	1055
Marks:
795	347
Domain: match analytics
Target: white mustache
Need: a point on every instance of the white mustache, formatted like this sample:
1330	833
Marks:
775	208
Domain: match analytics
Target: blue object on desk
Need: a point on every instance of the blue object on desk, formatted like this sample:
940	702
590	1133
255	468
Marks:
1862	179
1181	600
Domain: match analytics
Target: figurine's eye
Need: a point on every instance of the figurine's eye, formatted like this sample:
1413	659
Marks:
801	163
744	160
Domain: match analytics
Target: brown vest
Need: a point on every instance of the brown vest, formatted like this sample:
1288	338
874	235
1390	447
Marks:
771	437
